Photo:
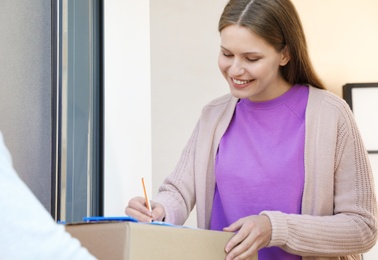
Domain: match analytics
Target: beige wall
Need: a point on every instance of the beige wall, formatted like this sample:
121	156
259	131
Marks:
127	148
342	38
184	74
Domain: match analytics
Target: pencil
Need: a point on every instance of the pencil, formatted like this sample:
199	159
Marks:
148	205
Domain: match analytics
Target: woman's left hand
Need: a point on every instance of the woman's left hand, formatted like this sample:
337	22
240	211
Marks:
254	233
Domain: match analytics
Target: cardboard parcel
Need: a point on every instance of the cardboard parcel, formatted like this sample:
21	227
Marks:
143	241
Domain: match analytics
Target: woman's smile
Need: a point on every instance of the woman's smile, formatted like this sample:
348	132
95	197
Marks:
239	83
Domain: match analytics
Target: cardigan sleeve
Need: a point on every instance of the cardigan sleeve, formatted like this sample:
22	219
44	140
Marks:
339	201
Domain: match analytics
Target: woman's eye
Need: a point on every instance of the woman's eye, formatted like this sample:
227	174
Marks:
227	54
252	59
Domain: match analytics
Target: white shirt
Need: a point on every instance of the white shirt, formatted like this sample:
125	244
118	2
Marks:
27	230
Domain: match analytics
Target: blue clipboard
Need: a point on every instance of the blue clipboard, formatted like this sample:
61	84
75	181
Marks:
109	219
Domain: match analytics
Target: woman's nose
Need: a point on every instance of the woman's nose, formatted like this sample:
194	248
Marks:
236	68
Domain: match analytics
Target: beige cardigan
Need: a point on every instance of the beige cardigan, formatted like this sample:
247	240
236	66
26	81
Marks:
339	210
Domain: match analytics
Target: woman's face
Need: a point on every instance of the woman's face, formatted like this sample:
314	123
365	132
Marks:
251	65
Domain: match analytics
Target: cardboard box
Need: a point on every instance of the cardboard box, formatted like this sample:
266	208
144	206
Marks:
140	241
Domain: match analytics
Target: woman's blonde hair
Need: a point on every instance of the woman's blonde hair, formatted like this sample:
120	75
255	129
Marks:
276	21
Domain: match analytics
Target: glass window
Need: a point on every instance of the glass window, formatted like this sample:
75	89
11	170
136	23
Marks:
78	117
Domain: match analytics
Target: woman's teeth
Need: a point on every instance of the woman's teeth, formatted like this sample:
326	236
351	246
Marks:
240	82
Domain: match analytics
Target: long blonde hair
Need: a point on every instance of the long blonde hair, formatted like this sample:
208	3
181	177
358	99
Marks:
276	21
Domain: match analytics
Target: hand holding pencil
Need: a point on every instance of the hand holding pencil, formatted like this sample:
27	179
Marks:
148	205
144	210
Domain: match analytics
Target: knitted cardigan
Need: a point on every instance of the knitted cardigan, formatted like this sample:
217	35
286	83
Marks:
339	210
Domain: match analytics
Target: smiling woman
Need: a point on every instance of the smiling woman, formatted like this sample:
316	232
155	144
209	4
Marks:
185	68
278	111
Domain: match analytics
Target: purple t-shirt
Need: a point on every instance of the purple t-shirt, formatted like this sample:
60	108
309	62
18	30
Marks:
260	162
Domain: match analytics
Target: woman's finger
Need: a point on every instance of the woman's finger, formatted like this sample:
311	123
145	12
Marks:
137	209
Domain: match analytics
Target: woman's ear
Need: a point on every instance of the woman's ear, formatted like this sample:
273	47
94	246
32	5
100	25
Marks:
285	56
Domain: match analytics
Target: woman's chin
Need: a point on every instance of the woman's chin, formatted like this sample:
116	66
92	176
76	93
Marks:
239	93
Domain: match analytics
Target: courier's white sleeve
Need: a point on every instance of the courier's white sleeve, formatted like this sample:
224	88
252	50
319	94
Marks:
27	230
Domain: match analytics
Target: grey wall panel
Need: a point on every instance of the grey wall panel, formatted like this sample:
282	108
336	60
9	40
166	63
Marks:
25	90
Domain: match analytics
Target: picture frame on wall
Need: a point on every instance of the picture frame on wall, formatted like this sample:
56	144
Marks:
363	100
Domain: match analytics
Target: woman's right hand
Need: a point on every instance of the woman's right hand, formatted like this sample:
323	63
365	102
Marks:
137	209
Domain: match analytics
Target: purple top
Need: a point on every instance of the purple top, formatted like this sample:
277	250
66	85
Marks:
260	162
